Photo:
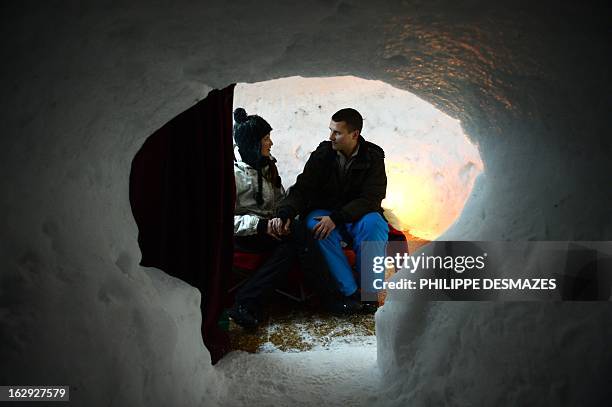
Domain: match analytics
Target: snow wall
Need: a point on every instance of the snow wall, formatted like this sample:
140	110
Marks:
84	86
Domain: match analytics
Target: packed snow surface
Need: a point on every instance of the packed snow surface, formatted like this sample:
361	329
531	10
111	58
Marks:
345	376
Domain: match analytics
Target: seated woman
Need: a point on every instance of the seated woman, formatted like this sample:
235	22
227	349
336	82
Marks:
258	190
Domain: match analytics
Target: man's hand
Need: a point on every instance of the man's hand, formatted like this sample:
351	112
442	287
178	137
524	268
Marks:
323	228
286	227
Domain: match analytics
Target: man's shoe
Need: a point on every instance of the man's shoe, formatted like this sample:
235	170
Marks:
244	317
369	307
342	307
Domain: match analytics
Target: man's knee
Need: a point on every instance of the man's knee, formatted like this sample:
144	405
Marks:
310	220
373	223
374	219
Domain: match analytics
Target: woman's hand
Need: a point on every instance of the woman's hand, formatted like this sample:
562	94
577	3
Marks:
278	228
272	229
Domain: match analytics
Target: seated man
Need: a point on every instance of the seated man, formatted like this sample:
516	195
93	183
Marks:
258	189
339	195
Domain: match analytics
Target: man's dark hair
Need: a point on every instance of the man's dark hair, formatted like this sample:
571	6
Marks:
353	119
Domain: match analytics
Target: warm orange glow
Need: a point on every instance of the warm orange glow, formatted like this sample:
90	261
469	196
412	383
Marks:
409	200
421	202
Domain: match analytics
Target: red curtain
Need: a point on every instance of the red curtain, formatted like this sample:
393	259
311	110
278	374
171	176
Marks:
182	194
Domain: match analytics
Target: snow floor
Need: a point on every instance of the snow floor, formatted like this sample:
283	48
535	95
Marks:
300	357
345	375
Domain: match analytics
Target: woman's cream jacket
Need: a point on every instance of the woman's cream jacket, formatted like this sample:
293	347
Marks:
247	213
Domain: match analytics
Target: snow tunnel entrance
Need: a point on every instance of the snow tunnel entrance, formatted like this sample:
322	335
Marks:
430	163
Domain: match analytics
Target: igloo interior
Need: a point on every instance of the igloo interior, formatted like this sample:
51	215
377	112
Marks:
85	85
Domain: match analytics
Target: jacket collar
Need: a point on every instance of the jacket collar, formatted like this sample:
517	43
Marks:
362	154
362	160
244	166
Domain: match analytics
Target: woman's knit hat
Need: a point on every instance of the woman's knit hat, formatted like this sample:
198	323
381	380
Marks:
248	132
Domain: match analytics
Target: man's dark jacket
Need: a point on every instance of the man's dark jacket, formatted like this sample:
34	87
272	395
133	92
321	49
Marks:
320	185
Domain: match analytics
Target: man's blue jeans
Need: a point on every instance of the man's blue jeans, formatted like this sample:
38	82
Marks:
370	228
